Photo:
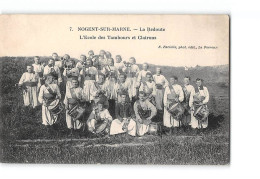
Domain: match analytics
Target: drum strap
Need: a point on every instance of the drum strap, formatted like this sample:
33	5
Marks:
50	90
145	84
172	90
97	85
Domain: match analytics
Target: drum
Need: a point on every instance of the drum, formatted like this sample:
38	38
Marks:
201	113
154	128
176	110
55	107
76	112
102	127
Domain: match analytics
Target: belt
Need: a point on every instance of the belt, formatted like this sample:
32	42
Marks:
30	84
159	86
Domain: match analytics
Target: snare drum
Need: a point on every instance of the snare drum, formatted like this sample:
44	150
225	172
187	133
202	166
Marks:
102	127
176	110
201	113
55	107
76	112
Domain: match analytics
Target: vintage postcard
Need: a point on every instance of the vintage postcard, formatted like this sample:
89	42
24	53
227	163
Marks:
115	89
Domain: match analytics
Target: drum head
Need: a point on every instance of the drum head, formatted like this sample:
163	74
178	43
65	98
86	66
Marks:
101	127
53	104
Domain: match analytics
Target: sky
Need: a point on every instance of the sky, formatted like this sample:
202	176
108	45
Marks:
41	35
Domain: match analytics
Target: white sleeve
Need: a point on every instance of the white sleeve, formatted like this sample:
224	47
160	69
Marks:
65	100
165	95
77	65
130	92
96	71
192	93
65	72
45	71
108	116
154	89
136	111
139	77
40	97
166	82
22	79
206	92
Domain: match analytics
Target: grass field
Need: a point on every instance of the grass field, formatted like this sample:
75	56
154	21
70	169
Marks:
25	140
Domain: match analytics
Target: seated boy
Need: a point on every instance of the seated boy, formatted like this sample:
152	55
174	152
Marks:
124	121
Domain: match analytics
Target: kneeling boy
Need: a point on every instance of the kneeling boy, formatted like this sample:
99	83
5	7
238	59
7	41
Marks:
99	120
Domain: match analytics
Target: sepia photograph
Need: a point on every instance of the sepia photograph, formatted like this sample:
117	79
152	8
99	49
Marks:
115	89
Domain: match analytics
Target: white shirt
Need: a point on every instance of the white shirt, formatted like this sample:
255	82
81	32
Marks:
160	79
103	114
203	92
47	70
149	87
37	68
178	90
142	75
79	65
146	105
28	77
90	70
43	90
134	69
78	92
126	86
119	66
58	63
108	69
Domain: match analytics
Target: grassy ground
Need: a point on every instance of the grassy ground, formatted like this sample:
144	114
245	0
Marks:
25	140
181	149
